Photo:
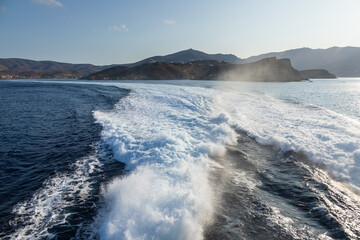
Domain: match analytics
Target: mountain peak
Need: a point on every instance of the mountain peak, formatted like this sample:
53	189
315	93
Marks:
189	55
190	50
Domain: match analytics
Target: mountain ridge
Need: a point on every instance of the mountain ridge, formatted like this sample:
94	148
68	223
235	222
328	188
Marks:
341	61
20	64
26	68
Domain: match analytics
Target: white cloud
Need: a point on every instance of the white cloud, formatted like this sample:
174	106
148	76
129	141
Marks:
122	27
169	22
52	3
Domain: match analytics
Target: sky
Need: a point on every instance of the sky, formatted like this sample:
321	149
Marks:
124	31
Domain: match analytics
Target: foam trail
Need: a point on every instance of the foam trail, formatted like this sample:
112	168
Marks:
325	137
165	134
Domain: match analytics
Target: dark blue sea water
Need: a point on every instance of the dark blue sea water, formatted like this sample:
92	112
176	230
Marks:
44	129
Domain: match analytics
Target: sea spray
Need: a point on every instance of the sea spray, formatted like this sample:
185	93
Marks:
165	135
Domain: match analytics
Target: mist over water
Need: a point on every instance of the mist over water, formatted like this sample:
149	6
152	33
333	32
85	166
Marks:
215	160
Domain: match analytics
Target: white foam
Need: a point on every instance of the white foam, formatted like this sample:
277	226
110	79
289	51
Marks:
165	134
46	208
324	136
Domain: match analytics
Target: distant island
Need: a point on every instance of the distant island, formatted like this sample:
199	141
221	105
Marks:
265	70
187	64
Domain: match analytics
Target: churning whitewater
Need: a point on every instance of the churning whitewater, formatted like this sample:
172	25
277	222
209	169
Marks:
165	135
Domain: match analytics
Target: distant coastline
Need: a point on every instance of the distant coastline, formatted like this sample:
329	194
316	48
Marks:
265	70
188	64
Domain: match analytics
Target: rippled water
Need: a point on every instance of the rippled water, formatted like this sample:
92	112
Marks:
267	194
49	156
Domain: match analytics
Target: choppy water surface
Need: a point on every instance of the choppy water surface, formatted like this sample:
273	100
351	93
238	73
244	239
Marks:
204	160
51	158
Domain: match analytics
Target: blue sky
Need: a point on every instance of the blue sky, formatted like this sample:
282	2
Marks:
117	31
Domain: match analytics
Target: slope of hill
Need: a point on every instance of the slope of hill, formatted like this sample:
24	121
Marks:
341	61
24	68
106	74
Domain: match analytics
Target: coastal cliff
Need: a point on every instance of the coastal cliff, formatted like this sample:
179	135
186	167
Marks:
265	70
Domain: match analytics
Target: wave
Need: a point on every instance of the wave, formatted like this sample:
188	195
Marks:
166	135
325	137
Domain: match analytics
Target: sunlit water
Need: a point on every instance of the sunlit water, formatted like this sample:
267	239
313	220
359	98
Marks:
204	160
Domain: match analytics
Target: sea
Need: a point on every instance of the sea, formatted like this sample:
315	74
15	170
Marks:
179	159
